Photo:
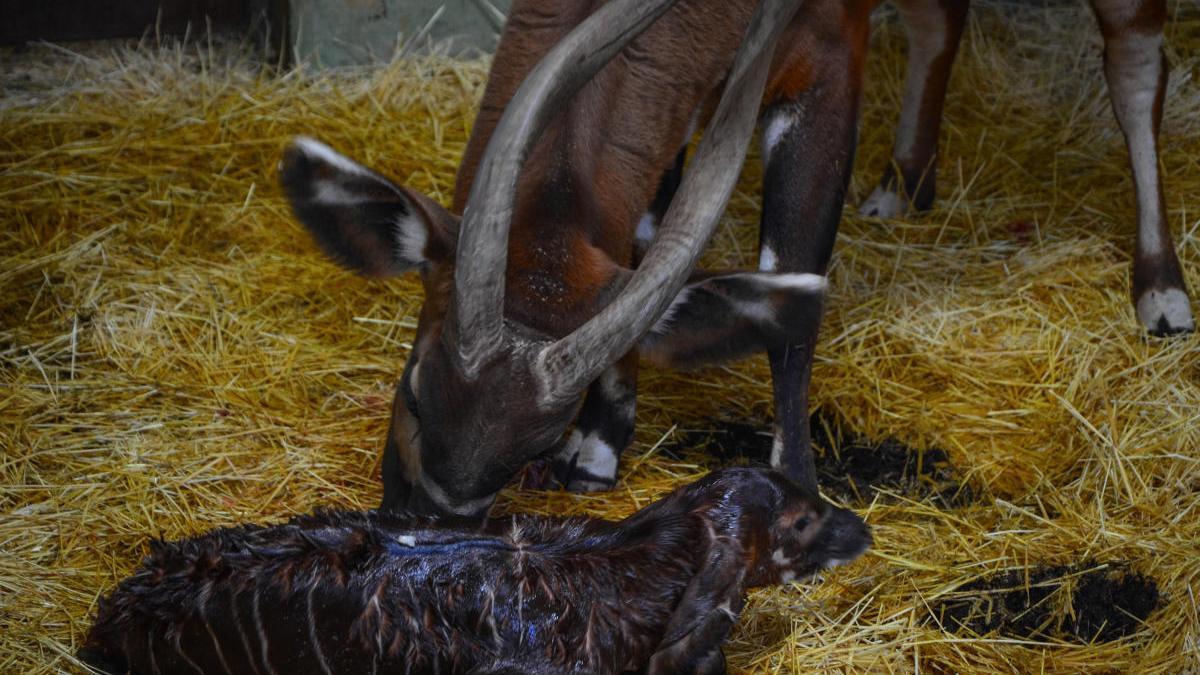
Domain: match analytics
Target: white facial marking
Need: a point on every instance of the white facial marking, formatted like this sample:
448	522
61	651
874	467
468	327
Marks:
779	558
646	228
1170	304
317	150
766	259
884	204
464	508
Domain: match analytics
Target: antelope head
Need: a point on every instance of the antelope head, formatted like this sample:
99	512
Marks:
481	394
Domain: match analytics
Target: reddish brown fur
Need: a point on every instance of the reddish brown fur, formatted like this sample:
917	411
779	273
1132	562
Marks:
600	163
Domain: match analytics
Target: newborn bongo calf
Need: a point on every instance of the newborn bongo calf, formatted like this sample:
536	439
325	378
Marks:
343	592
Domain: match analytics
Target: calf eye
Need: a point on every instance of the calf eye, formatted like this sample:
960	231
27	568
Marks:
802	523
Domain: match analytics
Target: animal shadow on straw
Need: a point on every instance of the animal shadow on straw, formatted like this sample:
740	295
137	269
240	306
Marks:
849	467
1083	604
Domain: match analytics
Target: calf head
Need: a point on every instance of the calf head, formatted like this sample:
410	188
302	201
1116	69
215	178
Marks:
481	394
789	532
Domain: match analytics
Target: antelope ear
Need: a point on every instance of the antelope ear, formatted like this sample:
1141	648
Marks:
362	220
727	316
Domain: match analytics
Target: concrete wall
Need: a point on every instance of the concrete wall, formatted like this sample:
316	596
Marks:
343	32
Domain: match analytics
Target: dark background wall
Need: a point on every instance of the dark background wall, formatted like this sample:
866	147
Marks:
65	20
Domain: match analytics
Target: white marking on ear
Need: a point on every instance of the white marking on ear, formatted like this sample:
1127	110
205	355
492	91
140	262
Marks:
663	325
646	228
411	237
800	281
1170	304
767	262
758	311
884	203
329	192
317	150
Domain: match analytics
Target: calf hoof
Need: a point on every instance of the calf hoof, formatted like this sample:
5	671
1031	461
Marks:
884	203
1165	311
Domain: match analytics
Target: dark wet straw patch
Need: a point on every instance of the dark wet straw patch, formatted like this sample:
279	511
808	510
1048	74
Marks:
849	466
1082	604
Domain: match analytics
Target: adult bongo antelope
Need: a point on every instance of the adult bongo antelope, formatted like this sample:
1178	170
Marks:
1136	70
534	315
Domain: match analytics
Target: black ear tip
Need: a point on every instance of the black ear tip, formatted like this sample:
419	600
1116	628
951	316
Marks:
295	165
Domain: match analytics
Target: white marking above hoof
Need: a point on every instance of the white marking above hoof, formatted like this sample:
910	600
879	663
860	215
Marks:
595	463
1165	311
884	204
767	262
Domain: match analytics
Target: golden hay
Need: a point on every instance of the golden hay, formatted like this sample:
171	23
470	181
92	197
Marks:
177	356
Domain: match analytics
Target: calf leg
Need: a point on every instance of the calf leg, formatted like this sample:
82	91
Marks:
1136	70
587	460
933	28
704	616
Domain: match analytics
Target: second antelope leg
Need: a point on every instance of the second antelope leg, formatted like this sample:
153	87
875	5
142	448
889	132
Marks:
588	459
933	28
1136	70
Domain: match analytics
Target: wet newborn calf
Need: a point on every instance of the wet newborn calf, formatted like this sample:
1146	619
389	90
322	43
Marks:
340	592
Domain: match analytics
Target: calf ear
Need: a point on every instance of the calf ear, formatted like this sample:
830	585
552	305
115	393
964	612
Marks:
361	219
728	316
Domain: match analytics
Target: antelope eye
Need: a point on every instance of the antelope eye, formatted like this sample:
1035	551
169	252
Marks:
802	523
